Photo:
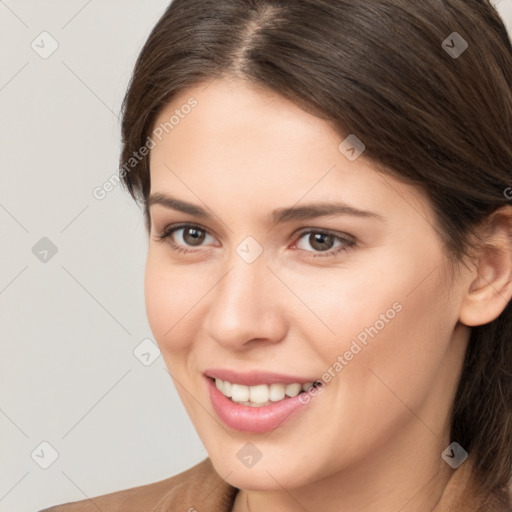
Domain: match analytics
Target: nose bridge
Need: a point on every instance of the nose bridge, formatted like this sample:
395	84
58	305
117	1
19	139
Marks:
244	305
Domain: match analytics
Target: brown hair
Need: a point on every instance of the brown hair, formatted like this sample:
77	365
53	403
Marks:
378	69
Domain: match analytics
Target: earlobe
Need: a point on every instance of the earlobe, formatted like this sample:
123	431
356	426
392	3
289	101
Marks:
490	288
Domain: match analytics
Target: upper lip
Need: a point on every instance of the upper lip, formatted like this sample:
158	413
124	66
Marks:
255	377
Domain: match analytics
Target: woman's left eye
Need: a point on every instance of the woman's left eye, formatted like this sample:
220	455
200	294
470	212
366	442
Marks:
319	240
323	242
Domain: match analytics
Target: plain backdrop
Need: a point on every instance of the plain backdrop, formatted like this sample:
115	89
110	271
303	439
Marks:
71	319
86	404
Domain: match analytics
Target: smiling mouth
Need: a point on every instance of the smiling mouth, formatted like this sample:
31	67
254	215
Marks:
261	395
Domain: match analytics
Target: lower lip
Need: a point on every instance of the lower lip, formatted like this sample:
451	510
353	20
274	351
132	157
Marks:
253	419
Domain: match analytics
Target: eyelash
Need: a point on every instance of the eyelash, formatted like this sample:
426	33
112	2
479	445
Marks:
348	243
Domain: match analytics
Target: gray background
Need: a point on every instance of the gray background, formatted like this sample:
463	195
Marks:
71	321
69	325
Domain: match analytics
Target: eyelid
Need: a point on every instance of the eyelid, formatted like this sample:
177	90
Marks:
170	229
338	234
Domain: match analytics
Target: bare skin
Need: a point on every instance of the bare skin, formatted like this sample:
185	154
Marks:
371	440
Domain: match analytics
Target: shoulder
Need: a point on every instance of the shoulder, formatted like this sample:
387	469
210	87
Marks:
199	487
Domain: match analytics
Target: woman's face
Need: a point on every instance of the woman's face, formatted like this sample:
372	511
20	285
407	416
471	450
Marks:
361	302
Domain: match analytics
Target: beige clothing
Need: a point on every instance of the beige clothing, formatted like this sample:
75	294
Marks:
201	489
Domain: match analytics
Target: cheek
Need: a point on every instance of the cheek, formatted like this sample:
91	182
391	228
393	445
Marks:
389	316
169	295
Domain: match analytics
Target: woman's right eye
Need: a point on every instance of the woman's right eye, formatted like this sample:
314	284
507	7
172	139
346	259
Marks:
191	236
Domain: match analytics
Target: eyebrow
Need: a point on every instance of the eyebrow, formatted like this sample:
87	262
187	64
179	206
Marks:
277	216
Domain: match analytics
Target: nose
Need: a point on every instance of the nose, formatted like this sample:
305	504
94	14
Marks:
246	306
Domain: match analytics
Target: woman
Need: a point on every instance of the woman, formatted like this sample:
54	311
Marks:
326	187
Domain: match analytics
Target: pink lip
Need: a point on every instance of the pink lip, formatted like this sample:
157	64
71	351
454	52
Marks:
254	378
253	419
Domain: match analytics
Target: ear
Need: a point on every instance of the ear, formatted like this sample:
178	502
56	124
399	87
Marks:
490	283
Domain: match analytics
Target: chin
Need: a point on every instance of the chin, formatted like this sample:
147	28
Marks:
270	474
259	480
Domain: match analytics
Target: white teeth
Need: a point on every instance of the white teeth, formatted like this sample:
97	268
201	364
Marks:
293	389
262	394
259	394
276	392
239	393
226	388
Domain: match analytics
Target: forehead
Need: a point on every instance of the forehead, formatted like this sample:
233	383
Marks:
249	145
233	116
